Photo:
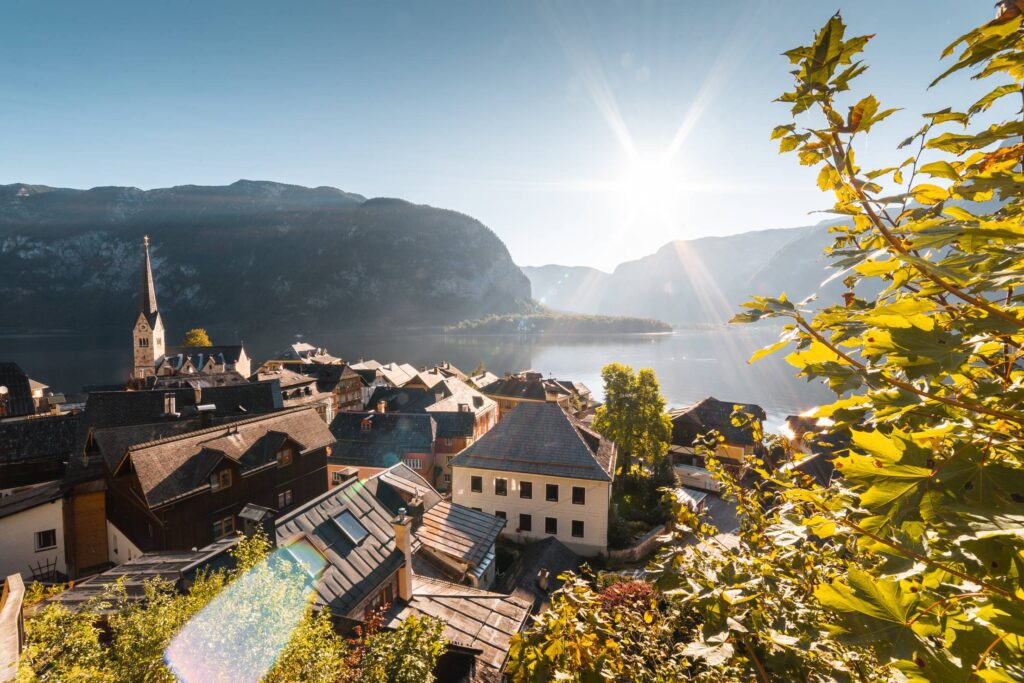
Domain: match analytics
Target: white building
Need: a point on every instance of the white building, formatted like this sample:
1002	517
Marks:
32	529
546	473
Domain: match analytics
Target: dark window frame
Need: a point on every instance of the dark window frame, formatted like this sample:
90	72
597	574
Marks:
549	524
526	490
548	488
583	495
503	490
476	484
525	521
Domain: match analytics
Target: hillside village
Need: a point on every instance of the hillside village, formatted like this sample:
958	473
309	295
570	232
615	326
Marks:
429	491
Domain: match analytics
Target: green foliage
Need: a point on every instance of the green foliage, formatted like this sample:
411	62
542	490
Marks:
196	337
65	646
910	565
633	416
553	322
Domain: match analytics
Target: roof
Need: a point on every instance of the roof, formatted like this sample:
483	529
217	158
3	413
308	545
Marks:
286	377
353	571
520	579
114	442
307	353
395	485
459	531
449	370
166	565
222	354
528	386
19	392
30	497
540	438
472	618
328	376
451	402
178	466
147	292
38	439
109	408
383	441
196	380
712	414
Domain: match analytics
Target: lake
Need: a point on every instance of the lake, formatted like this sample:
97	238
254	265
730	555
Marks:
690	364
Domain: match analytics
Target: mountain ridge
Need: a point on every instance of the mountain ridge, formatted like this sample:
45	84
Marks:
247	254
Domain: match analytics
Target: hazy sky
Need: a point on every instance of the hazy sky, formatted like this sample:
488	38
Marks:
520	114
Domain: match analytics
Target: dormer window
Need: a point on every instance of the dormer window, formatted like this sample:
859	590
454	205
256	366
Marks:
285	456
365	424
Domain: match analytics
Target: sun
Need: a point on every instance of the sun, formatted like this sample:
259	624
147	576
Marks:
652	185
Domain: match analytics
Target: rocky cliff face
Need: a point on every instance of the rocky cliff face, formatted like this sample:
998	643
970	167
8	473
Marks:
246	256
700	281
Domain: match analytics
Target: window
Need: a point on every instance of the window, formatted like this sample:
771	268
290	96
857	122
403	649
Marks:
525	522
448	441
414	463
350	526
337	476
220	480
365	425
477	509
552	493
500	486
550	525
476	484
579	495
223	527
284	499
526	489
447	479
577	528
46	539
448	459
500	514
284	456
143	341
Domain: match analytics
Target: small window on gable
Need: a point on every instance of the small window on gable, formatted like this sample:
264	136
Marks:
350	526
365	424
220	480
284	456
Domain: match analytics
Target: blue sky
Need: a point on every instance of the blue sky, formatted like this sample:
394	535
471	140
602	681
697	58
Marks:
517	113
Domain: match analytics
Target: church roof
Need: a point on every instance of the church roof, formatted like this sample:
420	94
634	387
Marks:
147	292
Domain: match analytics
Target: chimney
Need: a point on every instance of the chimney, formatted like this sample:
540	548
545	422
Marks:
542	579
382	406
402	525
170	405
478	401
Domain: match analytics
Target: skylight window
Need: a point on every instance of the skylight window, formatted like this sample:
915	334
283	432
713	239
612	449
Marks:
350	526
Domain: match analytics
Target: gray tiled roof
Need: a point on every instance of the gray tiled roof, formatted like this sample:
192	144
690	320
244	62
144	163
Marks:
389	437
540	438
353	572
520	579
30	498
38	439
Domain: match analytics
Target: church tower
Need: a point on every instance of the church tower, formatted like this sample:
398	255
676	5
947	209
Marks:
148	334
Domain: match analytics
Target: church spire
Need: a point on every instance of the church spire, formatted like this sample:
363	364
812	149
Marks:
147	292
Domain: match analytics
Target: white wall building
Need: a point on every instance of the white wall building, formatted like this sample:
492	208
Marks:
32	529
545	473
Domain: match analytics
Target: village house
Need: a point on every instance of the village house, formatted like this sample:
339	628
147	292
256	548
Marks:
368	560
530	386
186	490
35	451
545	472
371	442
342	382
710	414
299	356
298	389
461	412
53	531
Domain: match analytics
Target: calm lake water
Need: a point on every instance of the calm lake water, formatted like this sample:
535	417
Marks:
690	364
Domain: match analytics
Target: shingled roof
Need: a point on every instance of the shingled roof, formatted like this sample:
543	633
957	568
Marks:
370	439
353	571
473	618
540	438
712	414
41	439
179	466
459	532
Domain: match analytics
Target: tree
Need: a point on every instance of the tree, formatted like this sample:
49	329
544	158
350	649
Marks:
196	337
633	416
909	565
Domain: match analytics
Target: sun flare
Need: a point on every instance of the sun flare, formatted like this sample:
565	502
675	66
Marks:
652	185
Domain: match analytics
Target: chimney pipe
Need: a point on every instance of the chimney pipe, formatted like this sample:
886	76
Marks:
402	525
